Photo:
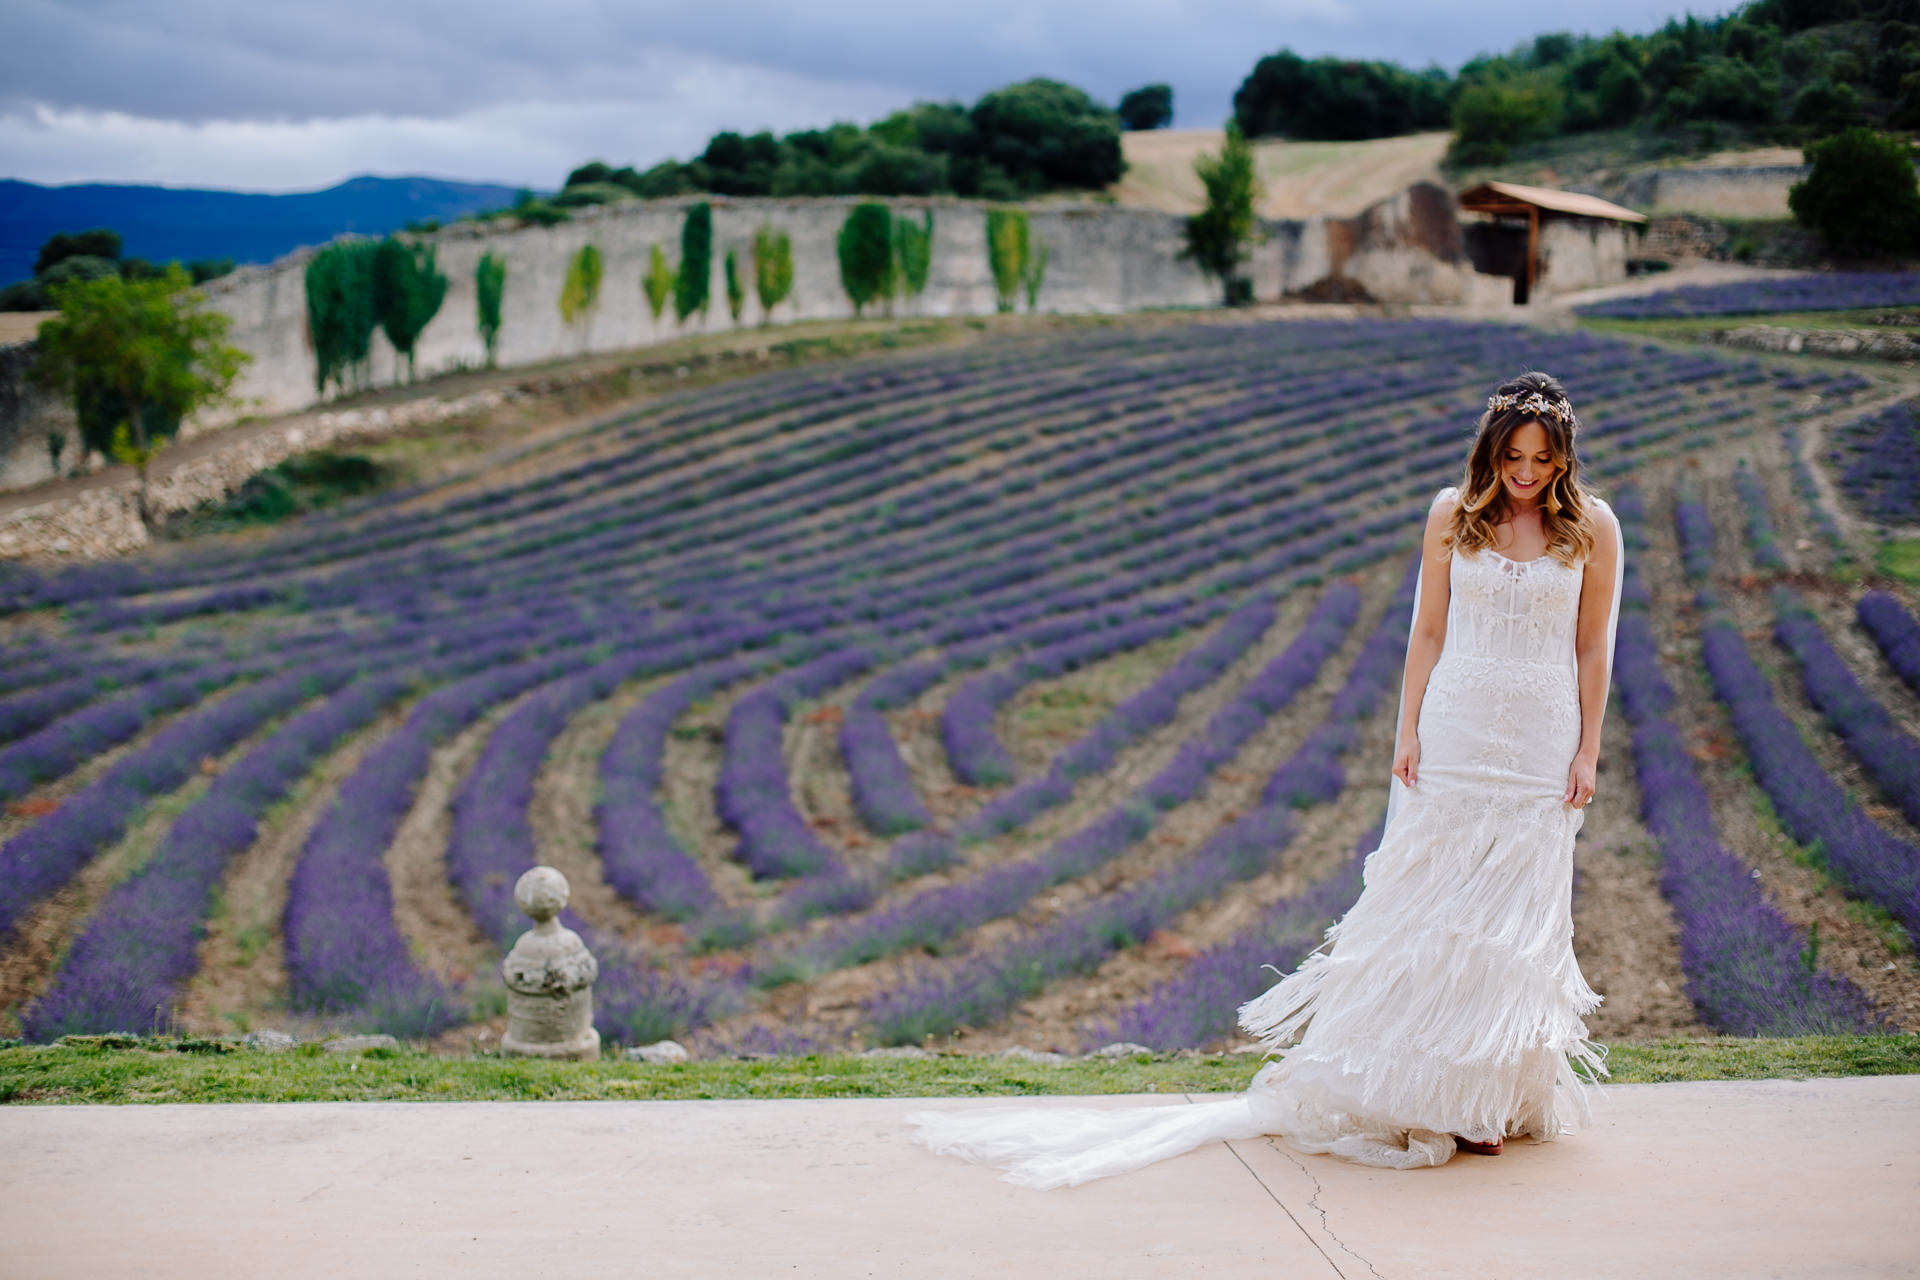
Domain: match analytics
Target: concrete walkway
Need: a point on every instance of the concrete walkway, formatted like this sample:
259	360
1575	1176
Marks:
1768	1178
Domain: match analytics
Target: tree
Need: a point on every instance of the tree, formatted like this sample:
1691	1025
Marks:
1860	194
913	253
1494	115
408	291
1007	254
581	289
772	268
1339	98
865	248
736	292
489	290
1034	272
658	282
136	357
97	243
694	280
340	312
1219	236
1042	134
1148	107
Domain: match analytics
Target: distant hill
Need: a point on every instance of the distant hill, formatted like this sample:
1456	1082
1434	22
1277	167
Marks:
160	223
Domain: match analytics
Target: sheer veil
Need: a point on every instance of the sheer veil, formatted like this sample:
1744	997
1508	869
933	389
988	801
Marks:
1042	1147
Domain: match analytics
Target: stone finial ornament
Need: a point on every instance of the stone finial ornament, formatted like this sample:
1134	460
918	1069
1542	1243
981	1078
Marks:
549	977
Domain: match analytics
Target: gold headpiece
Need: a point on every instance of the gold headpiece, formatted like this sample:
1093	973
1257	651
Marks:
1536	404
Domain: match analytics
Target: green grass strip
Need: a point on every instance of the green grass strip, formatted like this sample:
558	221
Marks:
121	1070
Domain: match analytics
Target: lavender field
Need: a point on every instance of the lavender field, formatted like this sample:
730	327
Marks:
1036	691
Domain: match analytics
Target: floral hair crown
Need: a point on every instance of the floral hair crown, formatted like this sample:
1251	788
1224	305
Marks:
1534	403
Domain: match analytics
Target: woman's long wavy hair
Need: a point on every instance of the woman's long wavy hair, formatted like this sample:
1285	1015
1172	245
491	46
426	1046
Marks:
1566	512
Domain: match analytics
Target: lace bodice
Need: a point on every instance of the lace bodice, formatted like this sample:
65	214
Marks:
1512	610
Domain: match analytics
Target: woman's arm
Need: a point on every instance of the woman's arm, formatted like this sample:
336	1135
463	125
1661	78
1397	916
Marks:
1429	632
1590	656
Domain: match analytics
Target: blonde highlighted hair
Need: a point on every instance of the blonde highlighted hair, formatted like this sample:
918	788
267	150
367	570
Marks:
1566	506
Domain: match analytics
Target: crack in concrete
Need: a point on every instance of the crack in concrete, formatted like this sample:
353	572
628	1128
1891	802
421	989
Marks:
1314	1204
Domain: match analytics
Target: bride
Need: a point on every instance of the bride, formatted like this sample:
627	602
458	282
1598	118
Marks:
1444	1011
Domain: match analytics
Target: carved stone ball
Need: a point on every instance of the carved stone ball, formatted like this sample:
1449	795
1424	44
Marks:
542	893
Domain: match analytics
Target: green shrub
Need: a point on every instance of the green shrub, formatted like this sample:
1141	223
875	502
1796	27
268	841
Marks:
581	290
97	243
1219	235
658	282
1148	107
303	483
736	292
866	254
341	313
489	290
1007	253
1034	273
772	268
1338	98
1492	117
696	262
1860	195
408	291
913	253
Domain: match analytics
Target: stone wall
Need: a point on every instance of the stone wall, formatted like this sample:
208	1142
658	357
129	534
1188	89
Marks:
28	416
1752	191
1581	253
1103	259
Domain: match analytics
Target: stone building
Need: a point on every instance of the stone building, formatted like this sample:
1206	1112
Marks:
1546	240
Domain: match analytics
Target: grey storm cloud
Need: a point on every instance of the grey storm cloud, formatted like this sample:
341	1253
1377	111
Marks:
203	60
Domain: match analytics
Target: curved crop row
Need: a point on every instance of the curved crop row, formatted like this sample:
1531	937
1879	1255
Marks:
1200	1005
1895	631
1888	755
980	987
1749	970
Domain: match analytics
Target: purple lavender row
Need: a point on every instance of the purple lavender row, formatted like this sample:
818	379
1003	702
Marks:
1837	292
1761	540
68	742
1803	484
640	857
753	795
921	852
32	708
670	432
344	952
1864	857
1749	970
46	855
1896	633
492	842
1889	756
981	987
931	918
1199	1005
974	751
125	968
1695	527
1878	461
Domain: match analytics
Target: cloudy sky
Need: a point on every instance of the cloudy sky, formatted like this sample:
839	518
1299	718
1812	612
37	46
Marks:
292	95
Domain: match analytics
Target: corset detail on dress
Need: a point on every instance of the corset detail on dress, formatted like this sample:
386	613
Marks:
1512	610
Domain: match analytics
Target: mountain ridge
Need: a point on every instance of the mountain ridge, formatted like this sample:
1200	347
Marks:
162	223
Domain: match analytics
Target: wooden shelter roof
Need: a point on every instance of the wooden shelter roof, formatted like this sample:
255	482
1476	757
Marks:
1512	197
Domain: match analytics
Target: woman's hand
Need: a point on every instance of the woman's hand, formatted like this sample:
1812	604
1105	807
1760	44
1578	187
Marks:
1580	777
1406	759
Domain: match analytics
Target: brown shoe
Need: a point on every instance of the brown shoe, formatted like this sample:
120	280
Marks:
1473	1148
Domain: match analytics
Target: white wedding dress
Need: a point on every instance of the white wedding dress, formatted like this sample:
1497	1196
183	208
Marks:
1447	1000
